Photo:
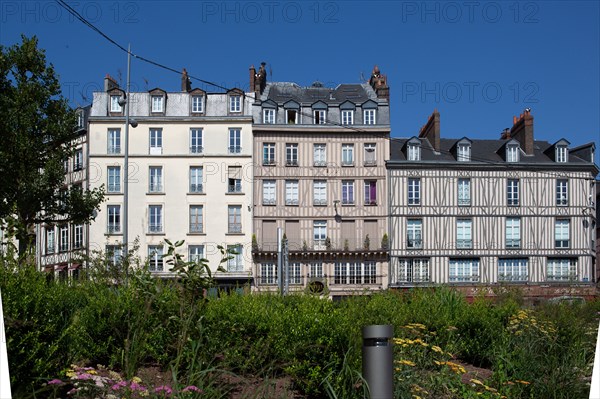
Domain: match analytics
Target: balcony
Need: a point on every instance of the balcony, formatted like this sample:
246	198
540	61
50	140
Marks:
370	202
155	228
196	149
113	229
268	162
234	229
234	149
115	149
269	201
196	228
319	202
291	201
196	188
414	244
234	188
320	164
464	244
291	162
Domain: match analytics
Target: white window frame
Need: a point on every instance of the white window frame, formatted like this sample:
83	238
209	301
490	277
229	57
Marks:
113	141
414	234
562	237
370	154
512	153
316	269
197	104
463	270
513	233
414	191
512	192
347	116
561	269
269	193
114	103
113	184
292	116
196	140
319	154
464	192
513	269
50	240
291	154
319	234
562	154
155	141
355	272
291	192
113	219
196	179
347	154
319	116
414	152
464	234
155	260
114	255
348	192
369	116
155	219
158	103
268	153
268	273
562	192
77	236
196	219
319	192
236	262
235	103
155	179
196	253
369	198
413	270
269	116
464	153
294	273
235	140
63	238
234	219
78	160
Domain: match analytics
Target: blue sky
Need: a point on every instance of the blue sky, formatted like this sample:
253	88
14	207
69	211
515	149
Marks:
479	63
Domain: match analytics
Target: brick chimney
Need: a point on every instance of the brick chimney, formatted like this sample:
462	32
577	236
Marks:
186	83
258	80
431	130
522	131
252	77
505	135
379	83
110	83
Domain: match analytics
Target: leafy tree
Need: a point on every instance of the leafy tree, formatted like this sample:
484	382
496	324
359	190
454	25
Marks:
37	128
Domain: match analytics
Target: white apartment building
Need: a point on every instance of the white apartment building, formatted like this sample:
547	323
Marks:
190	175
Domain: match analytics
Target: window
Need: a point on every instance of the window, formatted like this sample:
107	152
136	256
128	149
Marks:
319	234
269	197
414	152
158	103
114	255
320	192
50	240
513	270
196	253
347	117
114	104
235	219
464	234
319	116
513	233
234	185
464	270
413	271
63	234
113	219
155	141
197	104
370	192
512	192
369	116
114	141
196	141
269	116
235	103
196	179
347	154
347	192
414	234
562	153
355	273
561	269
316	269
464	152
291	192
77	236
78	160
155	260
269	154
561	233
155	180
464	192
114	179
319	155
196	224
294	273
291	154
512	153
414	191
156	219
236	263
80	120
291	116
562	192
370	154
268	273
235	141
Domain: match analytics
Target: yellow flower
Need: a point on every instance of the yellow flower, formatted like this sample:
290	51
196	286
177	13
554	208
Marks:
407	362
436	348
474	381
523	382
92	372
70	373
136	379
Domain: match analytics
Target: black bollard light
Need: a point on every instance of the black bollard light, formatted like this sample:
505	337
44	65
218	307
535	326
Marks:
378	360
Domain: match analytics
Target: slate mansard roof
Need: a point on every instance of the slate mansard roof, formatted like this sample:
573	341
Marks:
281	92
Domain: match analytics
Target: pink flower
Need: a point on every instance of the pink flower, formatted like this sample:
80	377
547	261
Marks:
191	388
164	388
55	381
72	391
137	387
83	376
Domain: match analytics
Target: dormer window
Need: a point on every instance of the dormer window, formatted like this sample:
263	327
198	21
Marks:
158	103
319	116
235	103
414	152
464	153
291	116
197	104
369	116
347	117
512	153
114	104
269	116
562	153
80	119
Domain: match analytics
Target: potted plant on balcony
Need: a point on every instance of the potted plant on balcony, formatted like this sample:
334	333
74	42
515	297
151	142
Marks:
367	243
385	242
